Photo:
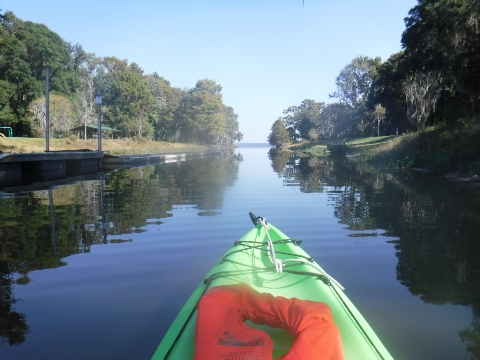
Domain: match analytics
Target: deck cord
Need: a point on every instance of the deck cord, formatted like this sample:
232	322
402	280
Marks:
327	279
279	263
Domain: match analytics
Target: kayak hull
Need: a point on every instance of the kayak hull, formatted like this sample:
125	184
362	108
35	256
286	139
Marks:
251	262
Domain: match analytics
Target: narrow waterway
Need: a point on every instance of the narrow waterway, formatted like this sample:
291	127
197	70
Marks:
99	268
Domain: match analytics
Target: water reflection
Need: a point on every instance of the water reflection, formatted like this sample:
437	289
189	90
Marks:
13	325
436	222
38	230
433	225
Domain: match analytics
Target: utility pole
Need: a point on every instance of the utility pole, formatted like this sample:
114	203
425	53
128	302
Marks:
99	111
47	109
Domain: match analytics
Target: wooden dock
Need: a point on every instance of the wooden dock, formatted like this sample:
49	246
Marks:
21	168
115	162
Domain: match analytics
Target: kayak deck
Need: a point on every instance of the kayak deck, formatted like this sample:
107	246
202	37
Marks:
282	270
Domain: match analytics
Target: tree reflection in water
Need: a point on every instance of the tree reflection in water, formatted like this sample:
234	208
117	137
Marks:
39	229
436	223
13	325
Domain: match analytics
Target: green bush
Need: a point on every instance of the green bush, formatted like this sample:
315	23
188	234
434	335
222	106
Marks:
337	149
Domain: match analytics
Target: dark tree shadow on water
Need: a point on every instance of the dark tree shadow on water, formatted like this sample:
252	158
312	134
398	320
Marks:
13	325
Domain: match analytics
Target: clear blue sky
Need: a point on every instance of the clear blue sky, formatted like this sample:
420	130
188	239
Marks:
268	55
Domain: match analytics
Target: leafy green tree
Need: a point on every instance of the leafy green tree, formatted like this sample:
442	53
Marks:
388	90
232	132
26	49
337	118
18	87
353	87
313	120
7	91
300	120
279	135
136	104
127	101
202	113
46	48
167	101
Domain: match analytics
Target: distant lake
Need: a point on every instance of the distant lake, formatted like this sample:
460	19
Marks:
98	269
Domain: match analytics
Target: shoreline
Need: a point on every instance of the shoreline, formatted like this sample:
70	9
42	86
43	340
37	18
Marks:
127	146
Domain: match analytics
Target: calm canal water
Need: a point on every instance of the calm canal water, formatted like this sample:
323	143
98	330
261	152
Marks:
406	249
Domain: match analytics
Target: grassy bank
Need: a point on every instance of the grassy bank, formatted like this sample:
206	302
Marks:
365	146
114	147
453	150
371	149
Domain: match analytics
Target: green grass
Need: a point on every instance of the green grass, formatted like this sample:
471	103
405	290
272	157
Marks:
317	150
366	146
389	152
444	150
370	141
114	147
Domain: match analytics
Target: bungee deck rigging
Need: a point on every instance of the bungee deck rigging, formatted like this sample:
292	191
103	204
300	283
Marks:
270	262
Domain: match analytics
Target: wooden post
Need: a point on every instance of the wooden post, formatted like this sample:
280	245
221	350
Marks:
47	109
99	111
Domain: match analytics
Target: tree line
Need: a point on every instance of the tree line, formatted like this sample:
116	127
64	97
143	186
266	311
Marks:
136	104
434	80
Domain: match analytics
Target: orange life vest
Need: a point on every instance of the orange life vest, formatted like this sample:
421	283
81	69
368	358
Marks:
222	334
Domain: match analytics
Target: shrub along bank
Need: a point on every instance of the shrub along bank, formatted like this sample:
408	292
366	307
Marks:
442	150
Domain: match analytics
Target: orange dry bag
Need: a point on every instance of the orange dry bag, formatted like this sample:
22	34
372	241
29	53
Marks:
221	333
